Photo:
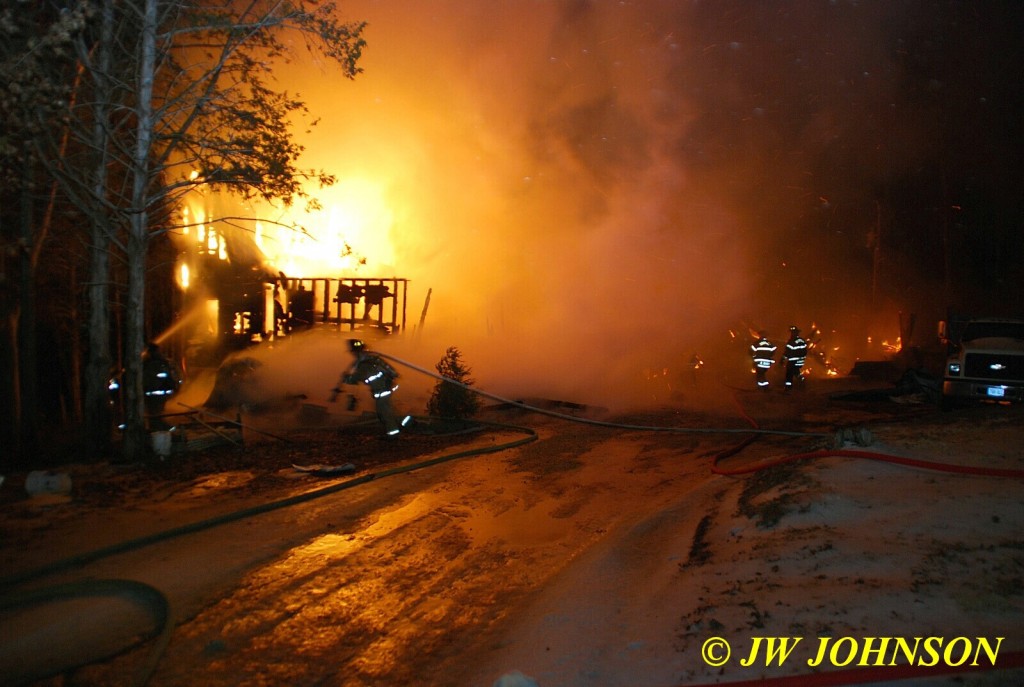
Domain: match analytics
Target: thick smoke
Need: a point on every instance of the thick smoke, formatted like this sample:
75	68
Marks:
594	191
529	152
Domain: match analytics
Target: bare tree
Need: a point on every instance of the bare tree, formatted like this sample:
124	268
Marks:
177	95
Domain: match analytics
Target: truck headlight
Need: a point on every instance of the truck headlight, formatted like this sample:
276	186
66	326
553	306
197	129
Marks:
954	369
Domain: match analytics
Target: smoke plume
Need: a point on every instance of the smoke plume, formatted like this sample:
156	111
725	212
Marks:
594	191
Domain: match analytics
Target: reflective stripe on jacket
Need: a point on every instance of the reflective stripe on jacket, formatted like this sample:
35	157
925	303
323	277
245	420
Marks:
796	350
763	351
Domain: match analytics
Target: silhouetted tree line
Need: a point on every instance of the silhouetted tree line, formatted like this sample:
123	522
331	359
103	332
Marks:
112	113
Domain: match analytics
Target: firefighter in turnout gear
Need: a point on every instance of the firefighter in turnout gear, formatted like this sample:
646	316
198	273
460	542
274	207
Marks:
160	381
795	355
380	378
763	352
696	364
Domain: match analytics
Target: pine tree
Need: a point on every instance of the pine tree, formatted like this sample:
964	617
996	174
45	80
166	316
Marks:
448	400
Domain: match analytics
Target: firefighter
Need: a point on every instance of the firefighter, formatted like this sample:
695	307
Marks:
795	355
160	381
696	363
763	352
380	378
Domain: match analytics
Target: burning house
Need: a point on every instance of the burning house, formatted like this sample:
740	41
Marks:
233	299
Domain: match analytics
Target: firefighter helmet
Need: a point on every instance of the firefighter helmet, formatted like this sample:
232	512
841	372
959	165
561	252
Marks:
795	329
356	345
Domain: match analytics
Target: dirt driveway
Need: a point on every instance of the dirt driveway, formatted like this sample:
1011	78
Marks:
591	556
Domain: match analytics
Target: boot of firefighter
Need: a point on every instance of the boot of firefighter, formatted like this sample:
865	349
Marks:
387	417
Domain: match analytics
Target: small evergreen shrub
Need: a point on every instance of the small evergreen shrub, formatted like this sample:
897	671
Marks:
451	401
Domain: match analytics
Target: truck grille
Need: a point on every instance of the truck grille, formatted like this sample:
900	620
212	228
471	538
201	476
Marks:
979	366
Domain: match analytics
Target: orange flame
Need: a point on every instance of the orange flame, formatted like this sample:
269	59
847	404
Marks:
351	234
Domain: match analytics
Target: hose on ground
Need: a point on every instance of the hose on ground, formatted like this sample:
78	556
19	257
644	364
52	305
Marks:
599	423
867	455
144	595
157	600
842	677
160	605
754	431
140	542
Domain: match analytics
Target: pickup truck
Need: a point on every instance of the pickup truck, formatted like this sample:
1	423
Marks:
985	363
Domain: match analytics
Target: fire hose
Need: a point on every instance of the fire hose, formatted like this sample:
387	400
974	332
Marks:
156	601
860	436
601	423
159	604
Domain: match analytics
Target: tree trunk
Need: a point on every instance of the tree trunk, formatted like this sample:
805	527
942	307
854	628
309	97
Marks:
10	401
99	365
138	241
134	446
72	403
28	361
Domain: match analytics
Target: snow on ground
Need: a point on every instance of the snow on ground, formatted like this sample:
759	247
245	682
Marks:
837	547
664	556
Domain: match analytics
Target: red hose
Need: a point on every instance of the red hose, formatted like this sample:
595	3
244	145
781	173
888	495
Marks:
868	455
856	676
873	673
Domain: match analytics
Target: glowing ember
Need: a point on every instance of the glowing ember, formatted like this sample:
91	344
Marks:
893	347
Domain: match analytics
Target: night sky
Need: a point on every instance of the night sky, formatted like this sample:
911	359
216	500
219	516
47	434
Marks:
898	114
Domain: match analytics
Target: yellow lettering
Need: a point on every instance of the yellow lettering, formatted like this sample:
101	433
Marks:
908	653
949	650
816	661
749	660
929	647
783	651
983	644
833	655
780	652
868	649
